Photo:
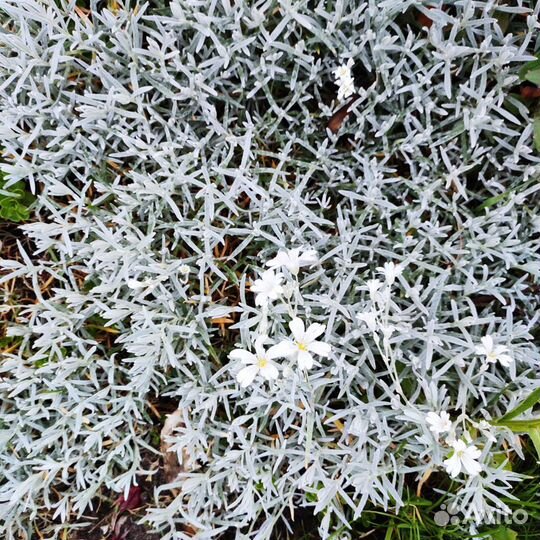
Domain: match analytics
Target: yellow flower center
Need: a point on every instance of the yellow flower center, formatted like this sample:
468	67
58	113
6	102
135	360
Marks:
460	453
301	346
263	362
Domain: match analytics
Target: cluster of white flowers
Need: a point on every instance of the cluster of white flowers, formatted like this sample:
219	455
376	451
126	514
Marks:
463	455
344	80
269	286
302	343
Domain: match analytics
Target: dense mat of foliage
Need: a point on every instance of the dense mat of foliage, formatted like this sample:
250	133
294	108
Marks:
341	314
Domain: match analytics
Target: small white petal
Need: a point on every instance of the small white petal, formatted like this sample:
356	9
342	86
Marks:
305	360
487	342
320	348
480	349
297	329
244	356
259	342
279	260
505	360
471	466
284	349
453	465
473	452
247	375
314	331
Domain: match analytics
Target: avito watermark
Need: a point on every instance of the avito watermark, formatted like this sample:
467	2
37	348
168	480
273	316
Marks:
450	515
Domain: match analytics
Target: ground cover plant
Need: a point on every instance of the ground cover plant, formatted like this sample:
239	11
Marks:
277	271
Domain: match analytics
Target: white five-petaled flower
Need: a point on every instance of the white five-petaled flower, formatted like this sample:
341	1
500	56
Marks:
184	270
493	352
268	287
486	429
439	423
293	259
304	343
344	80
464	458
260	362
344	71
391	271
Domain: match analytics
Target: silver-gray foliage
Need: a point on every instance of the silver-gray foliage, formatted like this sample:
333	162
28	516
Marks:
194	133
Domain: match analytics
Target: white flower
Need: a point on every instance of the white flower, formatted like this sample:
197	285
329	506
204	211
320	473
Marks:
344	80
184	270
373	286
267	287
304	343
293	259
493	352
370	318
344	71
486	429
260	362
346	89
463	458
439	423
391	271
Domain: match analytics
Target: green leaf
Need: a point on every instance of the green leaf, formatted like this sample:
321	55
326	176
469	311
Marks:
15	201
536	132
504	533
492	201
520	426
534	434
13	211
500	460
533	76
530	69
528	403
230	273
41	362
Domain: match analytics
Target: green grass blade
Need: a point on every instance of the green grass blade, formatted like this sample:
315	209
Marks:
528	403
